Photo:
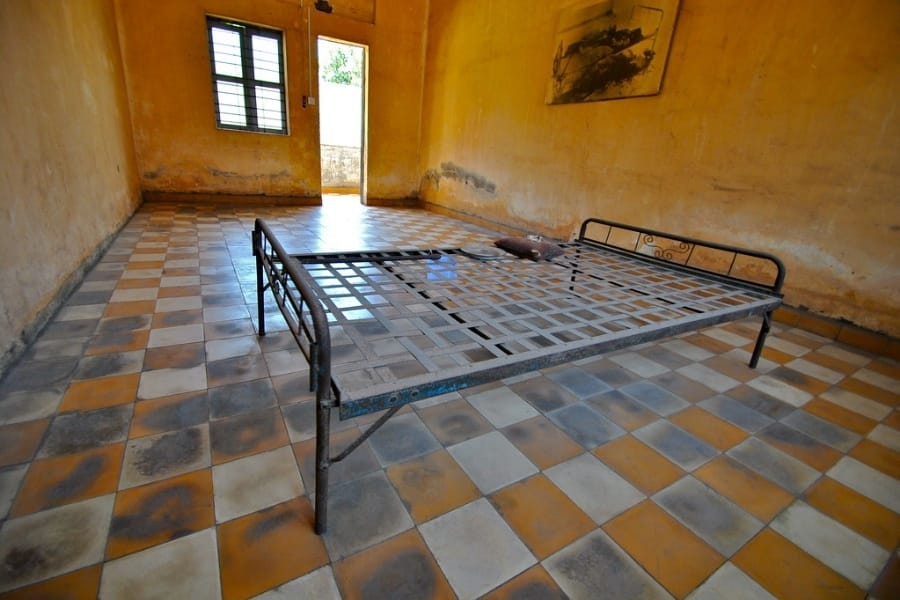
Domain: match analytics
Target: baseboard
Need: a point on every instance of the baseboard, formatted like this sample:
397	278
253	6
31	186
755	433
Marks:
841	331
393	202
219	198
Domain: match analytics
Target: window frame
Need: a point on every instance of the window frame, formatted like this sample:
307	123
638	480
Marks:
248	82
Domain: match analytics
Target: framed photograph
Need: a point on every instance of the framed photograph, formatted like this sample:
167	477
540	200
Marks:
607	49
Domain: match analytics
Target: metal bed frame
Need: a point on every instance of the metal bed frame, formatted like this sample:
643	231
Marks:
381	329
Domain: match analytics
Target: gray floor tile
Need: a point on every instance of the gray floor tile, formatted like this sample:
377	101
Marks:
677	445
107	365
77	431
579	382
156	457
403	437
655	398
585	425
363	512
18	407
736	412
34	375
784	470
240	398
242	434
543	393
10	479
596	567
723	524
51	542
454	421
822	430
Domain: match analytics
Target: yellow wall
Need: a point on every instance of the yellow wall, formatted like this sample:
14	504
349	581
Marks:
67	174
179	148
777	128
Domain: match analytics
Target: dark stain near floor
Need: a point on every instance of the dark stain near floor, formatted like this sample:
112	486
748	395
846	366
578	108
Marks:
29	376
520	434
179	317
455	172
537	591
458	425
271	522
408	574
598	566
240	398
190	411
74	432
300	416
106	364
792	377
117	338
782	433
82	476
227	328
21	563
760	402
238	435
169	510
122	324
542	394
174	449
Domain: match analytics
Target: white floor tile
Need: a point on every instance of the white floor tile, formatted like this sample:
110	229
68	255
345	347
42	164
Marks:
249	484
780	390
187	567
594	487
709	377
731	583
475	568
842	549
856	403
881	488
502	407
492	461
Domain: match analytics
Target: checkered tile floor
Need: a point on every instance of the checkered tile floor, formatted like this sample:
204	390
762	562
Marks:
152	446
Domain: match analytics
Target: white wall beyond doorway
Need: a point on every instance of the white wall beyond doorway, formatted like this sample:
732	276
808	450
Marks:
341	110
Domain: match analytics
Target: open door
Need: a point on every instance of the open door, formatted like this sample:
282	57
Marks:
342	123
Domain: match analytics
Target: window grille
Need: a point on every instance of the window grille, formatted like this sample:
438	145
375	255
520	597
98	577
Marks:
248	76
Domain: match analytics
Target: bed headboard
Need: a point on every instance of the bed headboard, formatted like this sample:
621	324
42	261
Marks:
737	265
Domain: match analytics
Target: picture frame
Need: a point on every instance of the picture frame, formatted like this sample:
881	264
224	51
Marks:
609	49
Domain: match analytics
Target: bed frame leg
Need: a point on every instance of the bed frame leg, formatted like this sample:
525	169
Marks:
761	339
323	462
260	290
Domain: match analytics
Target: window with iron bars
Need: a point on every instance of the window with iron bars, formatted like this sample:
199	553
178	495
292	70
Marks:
248	76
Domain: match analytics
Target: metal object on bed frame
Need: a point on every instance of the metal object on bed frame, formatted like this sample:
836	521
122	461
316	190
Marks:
381	329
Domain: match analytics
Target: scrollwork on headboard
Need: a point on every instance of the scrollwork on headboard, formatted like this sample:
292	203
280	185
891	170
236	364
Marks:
679	252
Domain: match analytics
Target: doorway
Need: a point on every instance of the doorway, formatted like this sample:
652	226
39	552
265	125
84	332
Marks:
342	124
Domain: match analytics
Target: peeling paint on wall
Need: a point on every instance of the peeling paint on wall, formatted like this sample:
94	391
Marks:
234	175
455	172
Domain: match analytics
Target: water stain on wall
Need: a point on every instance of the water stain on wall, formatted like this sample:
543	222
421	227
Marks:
455	172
